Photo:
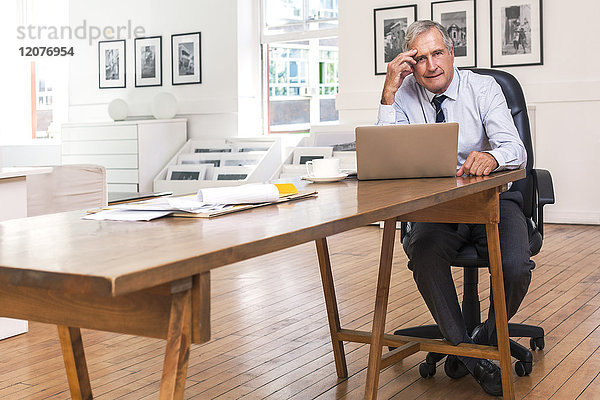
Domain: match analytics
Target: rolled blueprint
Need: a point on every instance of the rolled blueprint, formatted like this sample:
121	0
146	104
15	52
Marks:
242	194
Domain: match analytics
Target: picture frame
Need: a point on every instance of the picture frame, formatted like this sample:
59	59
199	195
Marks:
243	159
230	173
210	149
220	160
199	158
148	61
186	53
213	159
293	170
186	172
111	64
250	147
516	33
459	17
390	25
304	154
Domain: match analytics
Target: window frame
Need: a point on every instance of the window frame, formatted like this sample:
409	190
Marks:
313	89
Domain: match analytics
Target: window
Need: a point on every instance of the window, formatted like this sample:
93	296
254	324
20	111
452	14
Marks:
39	84
300	63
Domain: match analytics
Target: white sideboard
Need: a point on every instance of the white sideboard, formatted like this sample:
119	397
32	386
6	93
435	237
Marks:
133	152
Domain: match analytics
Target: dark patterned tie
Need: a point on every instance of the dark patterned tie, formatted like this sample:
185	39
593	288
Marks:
439	113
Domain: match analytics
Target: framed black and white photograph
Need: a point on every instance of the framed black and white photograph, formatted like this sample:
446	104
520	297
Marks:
148	61
304	154
111	64
250	147
390	28
218	160
186	67
241	159
516	33
230	173
200	158
208	149
459	19
186	172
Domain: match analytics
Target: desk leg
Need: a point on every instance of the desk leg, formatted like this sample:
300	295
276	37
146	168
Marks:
381	302
177	352
74	357
332	308
500	310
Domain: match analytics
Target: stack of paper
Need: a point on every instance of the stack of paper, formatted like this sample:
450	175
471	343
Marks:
207	203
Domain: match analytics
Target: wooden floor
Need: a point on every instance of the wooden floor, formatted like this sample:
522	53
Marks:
270	338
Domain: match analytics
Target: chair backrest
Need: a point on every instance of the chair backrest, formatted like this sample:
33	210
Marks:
518	107
66	188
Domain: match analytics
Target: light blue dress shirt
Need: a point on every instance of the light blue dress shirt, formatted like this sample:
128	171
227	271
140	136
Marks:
477	103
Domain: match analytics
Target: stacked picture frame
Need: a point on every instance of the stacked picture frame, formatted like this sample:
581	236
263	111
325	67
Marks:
294	164
219	162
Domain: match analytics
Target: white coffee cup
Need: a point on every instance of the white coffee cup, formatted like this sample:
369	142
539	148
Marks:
323	167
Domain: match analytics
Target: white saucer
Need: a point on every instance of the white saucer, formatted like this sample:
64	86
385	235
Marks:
322	179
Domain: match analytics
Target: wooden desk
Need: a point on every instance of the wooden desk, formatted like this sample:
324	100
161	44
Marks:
153	278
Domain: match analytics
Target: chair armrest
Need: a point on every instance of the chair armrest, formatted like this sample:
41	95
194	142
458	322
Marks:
542	181
544	186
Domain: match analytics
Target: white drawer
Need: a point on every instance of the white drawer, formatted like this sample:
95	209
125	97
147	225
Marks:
122	187
100	147
106	160
122	176
99	133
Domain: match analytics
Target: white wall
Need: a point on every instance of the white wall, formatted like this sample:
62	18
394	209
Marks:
211	107
249	69
565	92
15	104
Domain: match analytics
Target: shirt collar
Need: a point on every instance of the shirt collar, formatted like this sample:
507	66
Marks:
451	92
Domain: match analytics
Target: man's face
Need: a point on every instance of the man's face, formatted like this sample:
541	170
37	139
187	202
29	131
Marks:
435	65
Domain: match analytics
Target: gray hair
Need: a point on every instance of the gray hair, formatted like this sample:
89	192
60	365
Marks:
419	27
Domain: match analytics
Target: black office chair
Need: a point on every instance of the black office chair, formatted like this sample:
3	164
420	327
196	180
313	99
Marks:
537	190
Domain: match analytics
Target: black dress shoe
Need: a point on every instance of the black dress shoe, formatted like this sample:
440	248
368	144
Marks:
480	335
487	374
455	368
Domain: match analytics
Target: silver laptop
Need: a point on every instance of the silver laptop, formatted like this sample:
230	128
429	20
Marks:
406	151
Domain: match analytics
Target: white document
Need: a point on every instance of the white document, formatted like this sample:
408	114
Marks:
158	204
206	201
192	205
126	215
242	194
186	203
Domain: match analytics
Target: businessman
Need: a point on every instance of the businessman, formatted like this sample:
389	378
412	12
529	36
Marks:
423	86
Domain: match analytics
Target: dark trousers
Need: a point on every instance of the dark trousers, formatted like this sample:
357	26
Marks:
432	247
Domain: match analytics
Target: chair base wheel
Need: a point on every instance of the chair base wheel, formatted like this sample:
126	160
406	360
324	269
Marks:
538	342
427	370
523	368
